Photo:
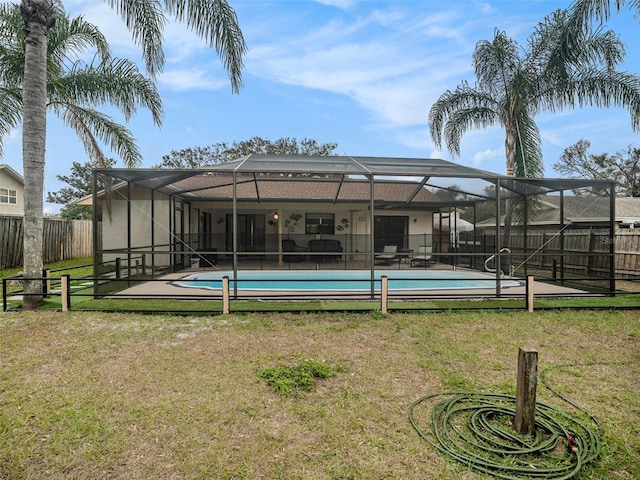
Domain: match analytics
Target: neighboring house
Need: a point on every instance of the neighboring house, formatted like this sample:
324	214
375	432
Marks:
580	212
11	191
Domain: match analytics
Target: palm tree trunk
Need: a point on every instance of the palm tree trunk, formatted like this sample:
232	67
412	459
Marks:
39	16
510	151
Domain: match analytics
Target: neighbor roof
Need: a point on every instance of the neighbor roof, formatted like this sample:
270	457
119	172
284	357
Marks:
579	209
7	169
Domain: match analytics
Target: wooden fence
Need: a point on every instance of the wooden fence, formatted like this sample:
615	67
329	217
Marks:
586	252
62	240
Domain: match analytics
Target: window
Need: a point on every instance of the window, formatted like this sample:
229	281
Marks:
319	223
8	196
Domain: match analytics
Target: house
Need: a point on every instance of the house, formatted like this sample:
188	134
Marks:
581	212
11	191
333	208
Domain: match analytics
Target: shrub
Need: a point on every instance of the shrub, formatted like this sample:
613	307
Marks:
297	379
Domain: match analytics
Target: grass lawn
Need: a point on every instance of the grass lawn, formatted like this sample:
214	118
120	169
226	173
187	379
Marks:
92	395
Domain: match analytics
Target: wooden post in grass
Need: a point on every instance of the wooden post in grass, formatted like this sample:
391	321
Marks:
526	391
529	290
225	295
384	294
64	292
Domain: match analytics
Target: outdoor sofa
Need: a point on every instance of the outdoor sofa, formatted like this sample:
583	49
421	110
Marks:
325	245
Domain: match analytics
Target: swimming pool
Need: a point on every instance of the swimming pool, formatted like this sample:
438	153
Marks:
342	280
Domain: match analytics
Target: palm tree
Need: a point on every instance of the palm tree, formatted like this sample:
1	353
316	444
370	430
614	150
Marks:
72	91
514	84
213	20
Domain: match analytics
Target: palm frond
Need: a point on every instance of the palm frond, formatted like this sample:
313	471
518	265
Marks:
10	112
605	89
11	23
117	83
92	126
71	37
444	112
216	23
528	162
463	120
145	20
11	44
495	62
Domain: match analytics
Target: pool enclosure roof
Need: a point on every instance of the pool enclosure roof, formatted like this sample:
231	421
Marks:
341	178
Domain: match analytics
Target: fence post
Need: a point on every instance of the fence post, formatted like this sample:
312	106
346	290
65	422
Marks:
525	420
65	292
384	294
144	268
118	264
46	285
4	295
225	295
529	293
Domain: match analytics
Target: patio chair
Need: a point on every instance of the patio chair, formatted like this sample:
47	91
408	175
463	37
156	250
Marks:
388	255
422	257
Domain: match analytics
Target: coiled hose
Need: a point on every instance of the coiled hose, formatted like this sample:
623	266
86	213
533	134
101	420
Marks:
476	429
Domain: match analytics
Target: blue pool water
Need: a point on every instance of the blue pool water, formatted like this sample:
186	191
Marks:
342	280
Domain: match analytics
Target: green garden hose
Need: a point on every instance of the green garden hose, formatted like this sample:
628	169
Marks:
476	430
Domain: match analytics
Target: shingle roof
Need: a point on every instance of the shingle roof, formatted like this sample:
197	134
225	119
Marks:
581	209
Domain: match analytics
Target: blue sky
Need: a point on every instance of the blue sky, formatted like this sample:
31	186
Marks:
361	73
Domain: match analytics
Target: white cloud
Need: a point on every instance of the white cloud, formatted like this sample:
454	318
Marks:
489	154
386	61
191	79
343	4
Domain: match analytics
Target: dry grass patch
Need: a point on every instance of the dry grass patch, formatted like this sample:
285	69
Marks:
91	395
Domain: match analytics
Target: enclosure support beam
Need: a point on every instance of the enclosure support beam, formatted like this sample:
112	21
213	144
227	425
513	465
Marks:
612	238
129	234
153	233
372	254
525	243
498	266
235	235
562	237
96	244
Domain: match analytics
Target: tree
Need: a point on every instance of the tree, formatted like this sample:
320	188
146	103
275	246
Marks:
622	167
80	181
213	21
72	90
200	157
514	84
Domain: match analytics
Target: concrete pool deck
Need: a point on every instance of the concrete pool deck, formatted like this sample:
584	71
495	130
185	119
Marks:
165	288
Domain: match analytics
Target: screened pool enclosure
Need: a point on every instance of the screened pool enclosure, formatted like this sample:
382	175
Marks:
268	212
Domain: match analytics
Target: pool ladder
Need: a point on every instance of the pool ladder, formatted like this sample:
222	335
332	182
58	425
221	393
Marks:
493	269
